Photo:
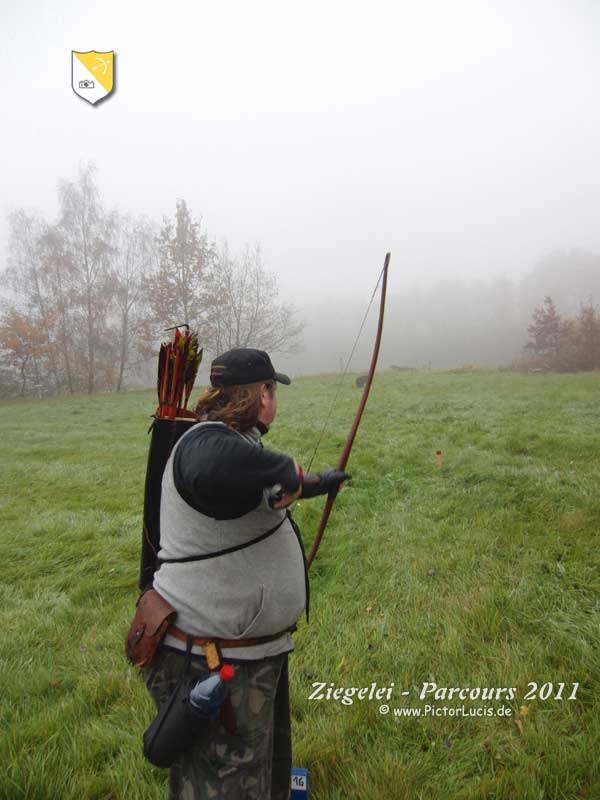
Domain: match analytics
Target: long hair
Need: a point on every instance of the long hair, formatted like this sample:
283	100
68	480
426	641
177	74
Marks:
237	406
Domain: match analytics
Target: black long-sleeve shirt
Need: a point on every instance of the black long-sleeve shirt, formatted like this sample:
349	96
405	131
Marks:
223	475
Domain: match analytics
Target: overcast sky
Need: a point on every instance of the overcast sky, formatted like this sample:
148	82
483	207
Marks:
463	136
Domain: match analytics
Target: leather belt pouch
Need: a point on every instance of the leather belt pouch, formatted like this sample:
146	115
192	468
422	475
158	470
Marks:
152	618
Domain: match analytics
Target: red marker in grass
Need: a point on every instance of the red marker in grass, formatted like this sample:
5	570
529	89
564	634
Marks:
438	457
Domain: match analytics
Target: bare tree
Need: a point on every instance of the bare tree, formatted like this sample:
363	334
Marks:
86	232
243	309
24	277
133	258
58	279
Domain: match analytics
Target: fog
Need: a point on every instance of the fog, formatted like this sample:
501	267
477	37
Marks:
463	137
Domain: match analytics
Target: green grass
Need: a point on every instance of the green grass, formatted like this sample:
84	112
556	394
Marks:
484	573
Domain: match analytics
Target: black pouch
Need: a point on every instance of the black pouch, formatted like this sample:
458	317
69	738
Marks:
176	726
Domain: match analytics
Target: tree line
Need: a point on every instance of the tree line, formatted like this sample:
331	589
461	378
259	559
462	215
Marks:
87	298
563	344
456	322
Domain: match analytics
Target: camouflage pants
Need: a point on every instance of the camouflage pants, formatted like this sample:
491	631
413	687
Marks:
254	762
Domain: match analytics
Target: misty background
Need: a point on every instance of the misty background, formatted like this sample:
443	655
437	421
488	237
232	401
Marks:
464	138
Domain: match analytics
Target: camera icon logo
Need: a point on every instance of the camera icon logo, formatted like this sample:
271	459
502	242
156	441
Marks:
92	74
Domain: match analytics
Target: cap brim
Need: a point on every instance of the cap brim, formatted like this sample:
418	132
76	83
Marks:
281	378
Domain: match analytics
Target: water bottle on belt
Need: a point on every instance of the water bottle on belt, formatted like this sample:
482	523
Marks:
208	694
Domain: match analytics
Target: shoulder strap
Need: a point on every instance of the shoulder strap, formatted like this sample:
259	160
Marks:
296	530
226	550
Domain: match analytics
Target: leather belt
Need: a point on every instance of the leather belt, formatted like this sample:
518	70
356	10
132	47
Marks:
200	641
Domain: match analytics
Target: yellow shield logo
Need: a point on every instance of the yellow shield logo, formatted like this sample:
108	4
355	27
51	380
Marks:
92	74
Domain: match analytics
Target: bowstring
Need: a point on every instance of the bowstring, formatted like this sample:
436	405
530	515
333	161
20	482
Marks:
343	375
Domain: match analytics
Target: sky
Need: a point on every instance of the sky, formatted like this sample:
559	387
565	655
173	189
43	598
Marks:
463	137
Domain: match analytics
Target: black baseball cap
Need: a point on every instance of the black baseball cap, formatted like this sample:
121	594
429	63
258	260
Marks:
244	365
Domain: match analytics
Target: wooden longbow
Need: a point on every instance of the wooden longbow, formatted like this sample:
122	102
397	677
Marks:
361	407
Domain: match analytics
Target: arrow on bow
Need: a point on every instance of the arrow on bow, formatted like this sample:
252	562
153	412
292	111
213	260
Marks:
361	407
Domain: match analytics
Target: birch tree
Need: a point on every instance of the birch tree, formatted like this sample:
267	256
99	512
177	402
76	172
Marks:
243	307
85	230
134	256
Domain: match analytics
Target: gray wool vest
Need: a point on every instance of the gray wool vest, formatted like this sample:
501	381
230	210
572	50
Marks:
255	591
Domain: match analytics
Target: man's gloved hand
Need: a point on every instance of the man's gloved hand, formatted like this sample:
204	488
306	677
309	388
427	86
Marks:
323	483
275	495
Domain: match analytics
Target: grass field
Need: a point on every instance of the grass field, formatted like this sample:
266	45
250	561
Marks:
482	574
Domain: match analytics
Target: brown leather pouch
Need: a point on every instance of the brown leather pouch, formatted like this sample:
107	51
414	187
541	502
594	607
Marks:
153	616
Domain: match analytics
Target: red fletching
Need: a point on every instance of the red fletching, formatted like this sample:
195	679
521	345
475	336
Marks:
178	363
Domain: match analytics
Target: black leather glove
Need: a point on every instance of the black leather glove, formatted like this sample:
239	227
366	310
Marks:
323	483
